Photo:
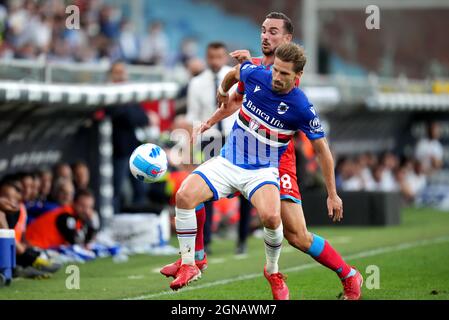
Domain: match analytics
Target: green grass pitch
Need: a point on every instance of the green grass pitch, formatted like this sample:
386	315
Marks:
412	259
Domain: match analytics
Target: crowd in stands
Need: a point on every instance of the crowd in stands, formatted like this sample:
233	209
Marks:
32	29
47	209
391	51
37	30
389	172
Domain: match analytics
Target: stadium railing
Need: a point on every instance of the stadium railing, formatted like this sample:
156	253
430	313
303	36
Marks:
326	92
68	72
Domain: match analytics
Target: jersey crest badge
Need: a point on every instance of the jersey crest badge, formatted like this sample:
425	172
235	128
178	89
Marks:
254	125
282	108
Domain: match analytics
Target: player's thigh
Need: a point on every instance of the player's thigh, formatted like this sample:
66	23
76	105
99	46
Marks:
293	219
193	191
289	188
267	202
220	175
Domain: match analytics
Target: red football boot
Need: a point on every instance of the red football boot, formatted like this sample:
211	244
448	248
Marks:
186	274
278	286
352	287
171	269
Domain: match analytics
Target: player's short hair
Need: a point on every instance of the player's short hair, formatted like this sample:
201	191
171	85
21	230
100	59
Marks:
288	25
83	193
291	52
216	45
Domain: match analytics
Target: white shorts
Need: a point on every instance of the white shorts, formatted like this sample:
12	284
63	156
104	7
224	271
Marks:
225	179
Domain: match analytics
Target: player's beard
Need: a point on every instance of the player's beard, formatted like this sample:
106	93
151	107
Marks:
277	88
267	52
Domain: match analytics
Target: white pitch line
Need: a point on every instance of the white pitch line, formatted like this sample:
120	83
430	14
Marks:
216	260
363	254
156	270
340	239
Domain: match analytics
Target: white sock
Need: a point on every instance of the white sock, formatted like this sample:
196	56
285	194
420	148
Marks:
273	244
185	222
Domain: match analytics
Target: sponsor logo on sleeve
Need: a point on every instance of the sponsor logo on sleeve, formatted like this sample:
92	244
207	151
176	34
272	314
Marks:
315	125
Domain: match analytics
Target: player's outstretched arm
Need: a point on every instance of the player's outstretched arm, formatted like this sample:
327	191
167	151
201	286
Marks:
334	203
230	79
221	113
234	104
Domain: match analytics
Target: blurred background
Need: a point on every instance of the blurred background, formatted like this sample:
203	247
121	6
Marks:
79	92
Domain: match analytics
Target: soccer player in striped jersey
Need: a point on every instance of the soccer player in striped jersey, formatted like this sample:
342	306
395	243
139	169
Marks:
277	29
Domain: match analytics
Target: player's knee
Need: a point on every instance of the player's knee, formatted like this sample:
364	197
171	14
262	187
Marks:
271	220
184	198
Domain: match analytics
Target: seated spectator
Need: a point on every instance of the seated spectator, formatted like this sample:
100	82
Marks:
61	195
63	192
31	184
416	178
390	164
154	49
29	261
62	170
404	187
46	177
381	181
366	162
27	181
429	150
128	42
81	176
375	184
349	178
5	206
70	224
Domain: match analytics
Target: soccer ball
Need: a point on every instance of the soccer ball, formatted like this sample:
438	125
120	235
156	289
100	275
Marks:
148	163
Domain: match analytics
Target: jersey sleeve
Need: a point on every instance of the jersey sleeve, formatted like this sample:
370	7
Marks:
240	88
310	124
246	69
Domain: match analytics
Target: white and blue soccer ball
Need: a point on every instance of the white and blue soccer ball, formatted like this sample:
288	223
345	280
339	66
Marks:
148	163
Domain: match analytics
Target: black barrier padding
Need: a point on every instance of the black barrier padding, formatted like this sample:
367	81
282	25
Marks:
359	208
34	137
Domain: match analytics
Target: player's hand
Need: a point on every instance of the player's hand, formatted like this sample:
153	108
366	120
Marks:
241	55
335	208
199	129
7	205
